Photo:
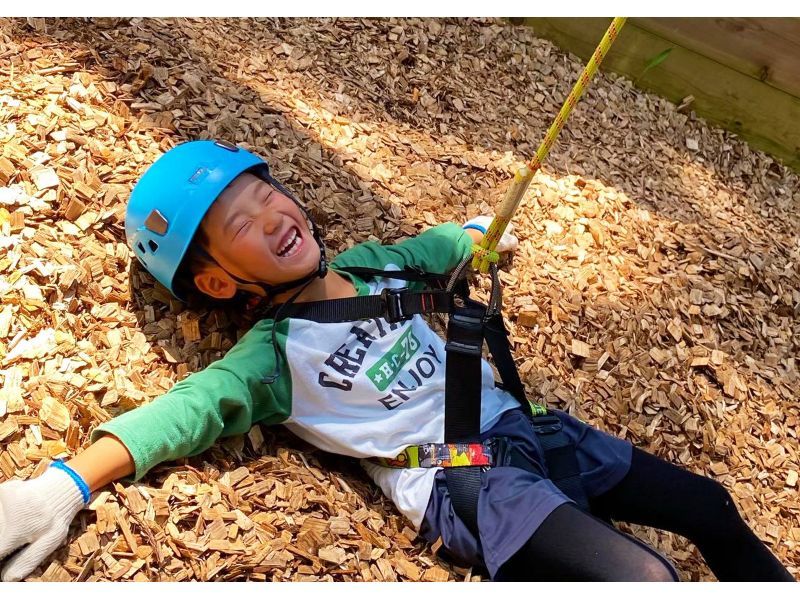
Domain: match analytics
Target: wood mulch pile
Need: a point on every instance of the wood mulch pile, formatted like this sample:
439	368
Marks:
655	294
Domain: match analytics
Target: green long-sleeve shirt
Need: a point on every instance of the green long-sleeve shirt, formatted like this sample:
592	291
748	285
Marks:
228	397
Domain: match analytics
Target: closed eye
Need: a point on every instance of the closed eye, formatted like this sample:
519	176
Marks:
243	228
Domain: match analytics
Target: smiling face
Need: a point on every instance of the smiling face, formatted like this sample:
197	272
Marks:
257	233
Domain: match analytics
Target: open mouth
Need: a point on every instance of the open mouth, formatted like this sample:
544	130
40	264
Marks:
291	243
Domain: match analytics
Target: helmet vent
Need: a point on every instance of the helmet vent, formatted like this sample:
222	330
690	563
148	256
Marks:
226	145
153	246
156	223
140	246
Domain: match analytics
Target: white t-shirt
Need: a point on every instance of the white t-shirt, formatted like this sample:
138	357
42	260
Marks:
372	389
360	389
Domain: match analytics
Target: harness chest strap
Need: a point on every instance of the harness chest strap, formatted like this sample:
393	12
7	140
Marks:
394	305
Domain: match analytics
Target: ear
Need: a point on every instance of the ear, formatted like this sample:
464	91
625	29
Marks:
216	283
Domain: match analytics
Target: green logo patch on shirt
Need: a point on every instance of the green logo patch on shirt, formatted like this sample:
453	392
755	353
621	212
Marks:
387	367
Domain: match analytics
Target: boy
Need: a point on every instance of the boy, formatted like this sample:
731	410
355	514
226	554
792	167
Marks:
209	216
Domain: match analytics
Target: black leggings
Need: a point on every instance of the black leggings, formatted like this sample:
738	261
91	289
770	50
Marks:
573	545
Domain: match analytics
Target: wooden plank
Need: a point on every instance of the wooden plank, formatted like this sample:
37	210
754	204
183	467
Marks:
767	49
766	117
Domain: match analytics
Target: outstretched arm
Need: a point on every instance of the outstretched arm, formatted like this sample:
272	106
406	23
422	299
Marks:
475	234
35	514
103	462
224	399
476	228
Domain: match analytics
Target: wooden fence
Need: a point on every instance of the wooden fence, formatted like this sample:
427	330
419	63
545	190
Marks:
744	73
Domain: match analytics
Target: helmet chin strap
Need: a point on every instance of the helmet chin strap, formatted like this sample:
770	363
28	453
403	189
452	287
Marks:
271	290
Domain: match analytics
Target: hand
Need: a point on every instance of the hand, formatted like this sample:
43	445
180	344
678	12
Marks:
508	242
36	513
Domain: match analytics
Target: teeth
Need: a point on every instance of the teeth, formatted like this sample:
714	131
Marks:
290	245
295	248
286	245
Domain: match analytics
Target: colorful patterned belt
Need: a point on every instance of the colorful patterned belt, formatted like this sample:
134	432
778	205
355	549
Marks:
455	454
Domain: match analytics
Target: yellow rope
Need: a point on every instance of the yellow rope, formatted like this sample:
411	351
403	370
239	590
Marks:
524	175
487	254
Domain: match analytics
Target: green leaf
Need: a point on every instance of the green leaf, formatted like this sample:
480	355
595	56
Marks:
655	61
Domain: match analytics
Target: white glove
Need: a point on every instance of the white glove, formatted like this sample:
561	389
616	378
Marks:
508	242
37	513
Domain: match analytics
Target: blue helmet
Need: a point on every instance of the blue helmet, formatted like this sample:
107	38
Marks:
172	197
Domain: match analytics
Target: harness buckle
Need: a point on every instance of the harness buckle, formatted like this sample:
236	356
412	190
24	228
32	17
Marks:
394	307
465	334
415	270
500	448
546	424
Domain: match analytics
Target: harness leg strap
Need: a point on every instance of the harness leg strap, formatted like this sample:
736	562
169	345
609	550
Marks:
560	458
464	484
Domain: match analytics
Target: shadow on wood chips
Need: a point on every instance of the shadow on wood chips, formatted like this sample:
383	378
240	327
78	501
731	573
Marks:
655	293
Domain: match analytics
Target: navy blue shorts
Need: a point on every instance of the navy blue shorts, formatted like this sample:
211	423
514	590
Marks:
513	502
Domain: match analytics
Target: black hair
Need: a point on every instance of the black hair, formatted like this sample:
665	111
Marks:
195	259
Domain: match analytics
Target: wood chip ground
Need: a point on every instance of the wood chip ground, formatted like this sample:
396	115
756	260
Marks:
655	293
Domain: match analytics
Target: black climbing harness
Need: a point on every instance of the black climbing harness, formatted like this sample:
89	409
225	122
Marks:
462	455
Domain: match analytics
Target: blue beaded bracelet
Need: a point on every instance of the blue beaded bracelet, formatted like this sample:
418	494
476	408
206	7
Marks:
475	226
82	486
